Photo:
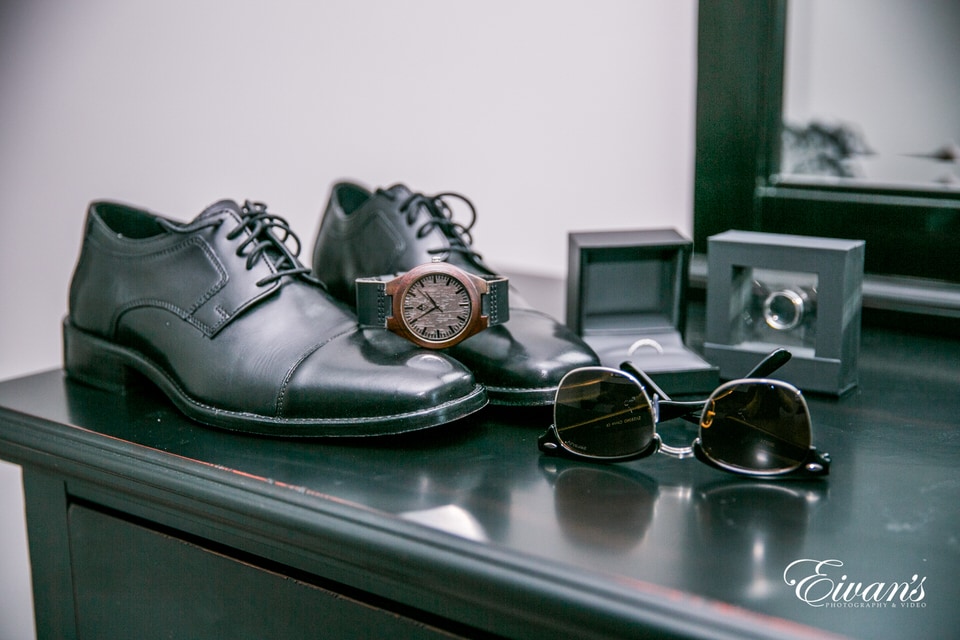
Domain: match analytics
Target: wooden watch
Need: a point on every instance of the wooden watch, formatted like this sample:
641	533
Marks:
434	305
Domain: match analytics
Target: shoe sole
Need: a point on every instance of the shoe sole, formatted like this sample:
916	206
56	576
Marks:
105	365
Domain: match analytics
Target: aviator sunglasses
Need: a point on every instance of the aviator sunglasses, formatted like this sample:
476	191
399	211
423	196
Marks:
754	426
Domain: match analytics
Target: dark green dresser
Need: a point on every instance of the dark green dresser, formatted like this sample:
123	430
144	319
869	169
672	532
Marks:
144	525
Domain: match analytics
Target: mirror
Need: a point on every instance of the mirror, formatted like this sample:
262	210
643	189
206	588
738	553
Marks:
887	95
871	92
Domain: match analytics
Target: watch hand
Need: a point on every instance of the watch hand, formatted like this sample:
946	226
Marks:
428	311
427	296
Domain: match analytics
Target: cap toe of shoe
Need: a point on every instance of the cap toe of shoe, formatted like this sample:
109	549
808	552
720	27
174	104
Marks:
372	382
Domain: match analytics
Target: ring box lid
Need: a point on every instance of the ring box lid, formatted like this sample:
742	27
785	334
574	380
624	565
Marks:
627	282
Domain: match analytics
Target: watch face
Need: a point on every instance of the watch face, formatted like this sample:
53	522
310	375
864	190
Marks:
437	307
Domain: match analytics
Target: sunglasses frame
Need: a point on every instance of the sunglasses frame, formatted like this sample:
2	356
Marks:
815	463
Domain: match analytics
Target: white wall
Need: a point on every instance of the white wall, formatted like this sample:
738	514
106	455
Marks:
550	115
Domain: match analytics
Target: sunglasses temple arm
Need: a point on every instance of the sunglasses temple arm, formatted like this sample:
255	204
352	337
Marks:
668	409
651	386
773	361
689	411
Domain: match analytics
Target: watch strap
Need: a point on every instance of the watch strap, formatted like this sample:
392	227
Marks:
372	306
495	305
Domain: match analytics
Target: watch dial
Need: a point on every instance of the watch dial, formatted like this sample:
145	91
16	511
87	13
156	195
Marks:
436	307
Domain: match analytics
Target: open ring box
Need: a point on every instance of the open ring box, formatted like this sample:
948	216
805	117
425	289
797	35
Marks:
626	297
767	290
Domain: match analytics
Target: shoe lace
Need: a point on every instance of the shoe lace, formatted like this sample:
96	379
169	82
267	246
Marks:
269	235
440	216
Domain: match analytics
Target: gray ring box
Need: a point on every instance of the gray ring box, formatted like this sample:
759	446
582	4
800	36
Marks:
627	288
825	363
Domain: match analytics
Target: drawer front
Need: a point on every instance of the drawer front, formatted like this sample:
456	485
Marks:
131	581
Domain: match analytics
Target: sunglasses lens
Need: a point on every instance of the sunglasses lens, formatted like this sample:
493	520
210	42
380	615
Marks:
760	426
603	413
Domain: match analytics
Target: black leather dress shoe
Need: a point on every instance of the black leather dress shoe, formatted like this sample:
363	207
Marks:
366	234
221	315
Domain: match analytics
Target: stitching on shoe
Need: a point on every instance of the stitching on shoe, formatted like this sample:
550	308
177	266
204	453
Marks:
184	314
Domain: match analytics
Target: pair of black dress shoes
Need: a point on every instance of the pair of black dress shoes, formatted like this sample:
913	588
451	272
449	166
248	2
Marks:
222	316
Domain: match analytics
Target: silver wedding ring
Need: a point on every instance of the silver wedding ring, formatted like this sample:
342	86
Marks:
645	342
783	310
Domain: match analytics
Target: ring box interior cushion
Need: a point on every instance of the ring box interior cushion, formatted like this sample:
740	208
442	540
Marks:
626	297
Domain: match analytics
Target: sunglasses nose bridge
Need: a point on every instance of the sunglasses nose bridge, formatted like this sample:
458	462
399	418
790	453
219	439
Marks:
676	452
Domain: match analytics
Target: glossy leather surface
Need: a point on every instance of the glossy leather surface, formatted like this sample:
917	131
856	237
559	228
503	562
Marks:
369	234
619	548
205	311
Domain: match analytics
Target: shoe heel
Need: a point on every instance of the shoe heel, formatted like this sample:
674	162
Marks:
93	362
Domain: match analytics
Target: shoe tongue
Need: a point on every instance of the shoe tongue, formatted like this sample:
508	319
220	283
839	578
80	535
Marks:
218	207
397	192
